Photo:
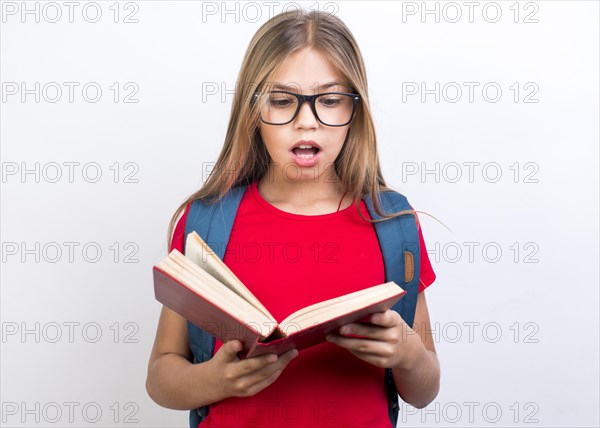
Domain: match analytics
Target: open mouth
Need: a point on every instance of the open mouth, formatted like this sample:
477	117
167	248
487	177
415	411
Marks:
305	152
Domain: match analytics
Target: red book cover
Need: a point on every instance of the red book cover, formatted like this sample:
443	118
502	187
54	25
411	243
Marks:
315	334
258	339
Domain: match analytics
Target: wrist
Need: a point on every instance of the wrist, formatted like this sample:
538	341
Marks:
206	385
414	357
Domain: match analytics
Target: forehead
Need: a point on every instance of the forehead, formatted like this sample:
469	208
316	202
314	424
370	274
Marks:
308	71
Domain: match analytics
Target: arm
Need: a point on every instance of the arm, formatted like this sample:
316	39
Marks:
171	375
390	342
418	382
174	382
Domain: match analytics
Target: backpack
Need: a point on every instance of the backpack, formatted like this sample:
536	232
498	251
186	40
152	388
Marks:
398	239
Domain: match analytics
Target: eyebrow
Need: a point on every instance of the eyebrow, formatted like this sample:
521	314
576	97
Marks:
295	87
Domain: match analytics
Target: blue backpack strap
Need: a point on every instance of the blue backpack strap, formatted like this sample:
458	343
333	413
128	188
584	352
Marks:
394	234
213	223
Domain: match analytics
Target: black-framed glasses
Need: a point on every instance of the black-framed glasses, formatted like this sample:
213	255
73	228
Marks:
330	108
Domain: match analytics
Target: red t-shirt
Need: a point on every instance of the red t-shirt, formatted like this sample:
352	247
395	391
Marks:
290	261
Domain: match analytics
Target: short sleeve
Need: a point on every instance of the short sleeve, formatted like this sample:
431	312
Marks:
179	232
426	273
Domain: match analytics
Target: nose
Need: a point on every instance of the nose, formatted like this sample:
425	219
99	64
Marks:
306	117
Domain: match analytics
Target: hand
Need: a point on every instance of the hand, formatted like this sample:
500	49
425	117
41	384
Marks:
244	378
387	342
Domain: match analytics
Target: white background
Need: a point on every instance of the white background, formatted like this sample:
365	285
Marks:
516	333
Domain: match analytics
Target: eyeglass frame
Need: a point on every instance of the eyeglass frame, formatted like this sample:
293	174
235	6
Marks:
311	100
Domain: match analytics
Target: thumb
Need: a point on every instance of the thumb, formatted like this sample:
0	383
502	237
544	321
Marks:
230	349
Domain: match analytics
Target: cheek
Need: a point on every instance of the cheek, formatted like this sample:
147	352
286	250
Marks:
340	137
265	135
271	138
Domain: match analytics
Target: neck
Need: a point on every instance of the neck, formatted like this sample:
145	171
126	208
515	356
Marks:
302	193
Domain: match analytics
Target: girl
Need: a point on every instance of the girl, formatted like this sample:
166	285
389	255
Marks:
301	139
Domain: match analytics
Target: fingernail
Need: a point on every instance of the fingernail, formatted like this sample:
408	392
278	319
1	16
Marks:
344	330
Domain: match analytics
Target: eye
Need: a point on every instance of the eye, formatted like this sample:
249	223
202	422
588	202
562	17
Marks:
330	100
281	100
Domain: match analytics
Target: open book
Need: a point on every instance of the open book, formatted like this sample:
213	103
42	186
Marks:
202	289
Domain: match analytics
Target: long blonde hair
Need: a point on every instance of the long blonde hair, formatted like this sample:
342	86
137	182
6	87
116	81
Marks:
244	158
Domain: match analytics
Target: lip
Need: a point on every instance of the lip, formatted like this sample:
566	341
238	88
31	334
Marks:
302	162
307	143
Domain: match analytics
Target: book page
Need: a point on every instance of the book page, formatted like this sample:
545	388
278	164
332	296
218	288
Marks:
200	253
336	307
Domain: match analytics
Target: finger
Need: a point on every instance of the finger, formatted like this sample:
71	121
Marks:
229	350
370	331
252	364
357	330
389	318
375	359
228	353
279	364
371	351
268	371
288	356
363	348
268	362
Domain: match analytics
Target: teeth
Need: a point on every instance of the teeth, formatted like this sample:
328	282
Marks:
304	146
